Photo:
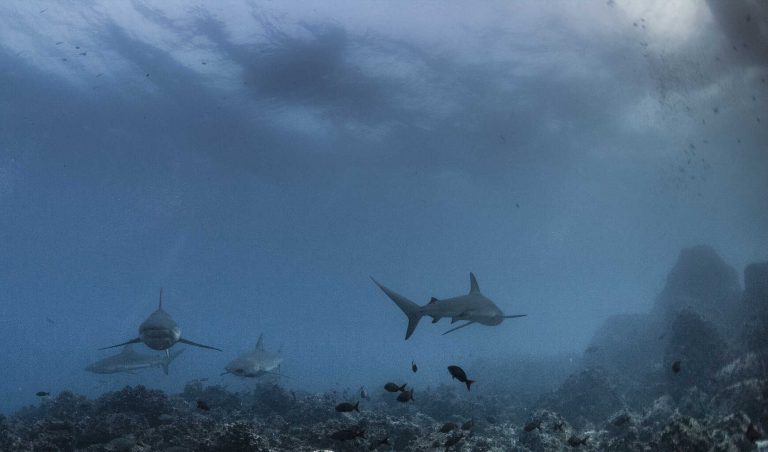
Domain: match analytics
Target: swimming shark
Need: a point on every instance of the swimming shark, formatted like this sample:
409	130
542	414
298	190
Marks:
160	332
473	307
255	363
129	361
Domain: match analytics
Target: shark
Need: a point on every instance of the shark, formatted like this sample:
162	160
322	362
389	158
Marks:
160	332
473	307
255	363
128	360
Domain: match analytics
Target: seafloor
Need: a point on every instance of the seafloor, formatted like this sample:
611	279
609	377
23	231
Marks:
690	375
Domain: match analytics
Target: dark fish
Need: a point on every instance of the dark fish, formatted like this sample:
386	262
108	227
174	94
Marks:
405	396
459	374
592	349
453	440
533	425
575	441
203	406
391	387
517	205
447	427
753	434
42	394
347	407
347	434
382	442
49	320
491	419
468	425
413	366
676	366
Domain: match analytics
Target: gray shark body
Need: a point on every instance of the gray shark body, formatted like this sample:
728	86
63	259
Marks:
473	307
129	361
160	332
255	363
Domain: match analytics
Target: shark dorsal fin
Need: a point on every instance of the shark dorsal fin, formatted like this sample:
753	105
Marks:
474	288
160	305
260	342
433	300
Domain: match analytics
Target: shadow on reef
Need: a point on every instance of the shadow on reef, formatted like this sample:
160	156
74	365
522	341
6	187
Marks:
689	375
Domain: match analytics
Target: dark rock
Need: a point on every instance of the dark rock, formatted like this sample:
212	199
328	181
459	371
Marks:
703	283
701	351
587	397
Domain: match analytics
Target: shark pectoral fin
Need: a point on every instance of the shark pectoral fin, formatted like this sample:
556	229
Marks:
458	327
132	341
188	342
514	316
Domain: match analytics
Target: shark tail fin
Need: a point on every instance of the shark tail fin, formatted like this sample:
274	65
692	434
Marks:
169	359
357	406
408	307
469	383
402	388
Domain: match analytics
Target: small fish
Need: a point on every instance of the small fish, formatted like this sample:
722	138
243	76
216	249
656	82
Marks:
48	319
491	419
459	374
59	43
391	387
453	440
376	444
676	367
348	407
203	406
533	425
405	396
447	427
517	205
575	441
592	349
347	434
414	368
469	425
42	394
364	393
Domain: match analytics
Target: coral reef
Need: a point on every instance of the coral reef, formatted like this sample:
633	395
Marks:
696	387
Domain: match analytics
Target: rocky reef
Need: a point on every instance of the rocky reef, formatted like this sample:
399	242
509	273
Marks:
690	375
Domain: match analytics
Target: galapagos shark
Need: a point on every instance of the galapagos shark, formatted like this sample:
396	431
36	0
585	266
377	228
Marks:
473	307
129	360
255	363
160	332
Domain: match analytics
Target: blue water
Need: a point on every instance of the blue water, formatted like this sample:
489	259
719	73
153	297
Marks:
260	161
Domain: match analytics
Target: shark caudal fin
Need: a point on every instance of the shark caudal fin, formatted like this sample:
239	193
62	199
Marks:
410	308
169	359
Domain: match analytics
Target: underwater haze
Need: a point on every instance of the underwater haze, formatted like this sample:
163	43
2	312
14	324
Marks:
261	161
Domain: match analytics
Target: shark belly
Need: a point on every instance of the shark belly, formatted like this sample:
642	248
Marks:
160	338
